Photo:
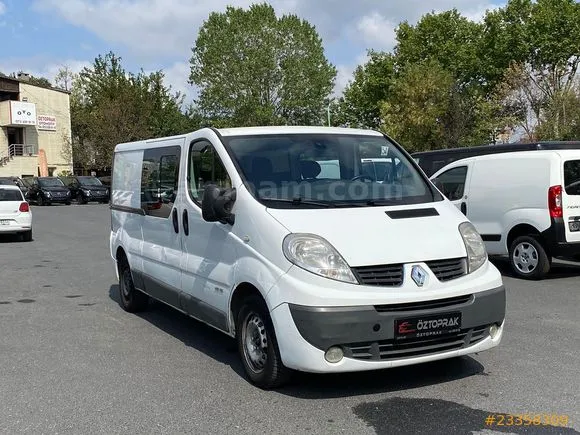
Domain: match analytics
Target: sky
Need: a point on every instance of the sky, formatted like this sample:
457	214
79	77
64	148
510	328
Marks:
40	36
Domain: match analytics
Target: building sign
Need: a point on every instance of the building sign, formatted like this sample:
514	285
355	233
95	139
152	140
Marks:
22	113
46	122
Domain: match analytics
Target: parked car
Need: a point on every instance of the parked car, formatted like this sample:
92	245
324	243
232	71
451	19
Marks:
85	189
313	274
106	180
48	190
15	214
16	181
525	204
433	160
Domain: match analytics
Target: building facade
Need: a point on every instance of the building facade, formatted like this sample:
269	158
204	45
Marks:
35	129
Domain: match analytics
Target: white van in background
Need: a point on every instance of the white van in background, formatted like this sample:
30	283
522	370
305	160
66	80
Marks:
525	204
312	270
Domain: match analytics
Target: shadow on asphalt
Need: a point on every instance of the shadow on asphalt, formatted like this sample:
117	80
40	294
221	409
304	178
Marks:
305	385
559	269
399	416
11	238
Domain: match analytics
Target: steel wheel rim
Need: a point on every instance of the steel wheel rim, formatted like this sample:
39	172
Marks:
126	287
525	257
255	342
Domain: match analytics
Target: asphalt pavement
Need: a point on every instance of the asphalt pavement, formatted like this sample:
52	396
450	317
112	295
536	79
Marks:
72	361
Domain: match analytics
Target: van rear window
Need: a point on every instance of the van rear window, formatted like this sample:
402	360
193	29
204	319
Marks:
10	195
572	177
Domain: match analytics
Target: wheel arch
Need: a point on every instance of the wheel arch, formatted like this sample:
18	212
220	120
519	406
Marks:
523	229
241	292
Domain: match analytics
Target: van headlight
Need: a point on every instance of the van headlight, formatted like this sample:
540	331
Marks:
316	255
476	253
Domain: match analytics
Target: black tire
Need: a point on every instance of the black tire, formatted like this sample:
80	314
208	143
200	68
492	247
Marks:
131	299
528	258
269	372
81	199
41	201
27	236
67	203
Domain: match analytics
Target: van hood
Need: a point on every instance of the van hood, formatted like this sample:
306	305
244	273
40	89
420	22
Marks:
367	236
54	189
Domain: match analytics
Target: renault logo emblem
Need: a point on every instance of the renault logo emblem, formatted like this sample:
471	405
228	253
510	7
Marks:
419	275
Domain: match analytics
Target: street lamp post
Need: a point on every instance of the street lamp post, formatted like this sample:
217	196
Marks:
328	110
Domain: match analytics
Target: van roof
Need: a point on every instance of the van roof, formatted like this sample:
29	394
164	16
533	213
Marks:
502	148
518	155
9	187
286	129
251	131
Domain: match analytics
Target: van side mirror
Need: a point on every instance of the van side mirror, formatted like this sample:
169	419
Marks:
217	204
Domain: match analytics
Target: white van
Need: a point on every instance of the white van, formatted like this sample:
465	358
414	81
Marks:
525	204
236	228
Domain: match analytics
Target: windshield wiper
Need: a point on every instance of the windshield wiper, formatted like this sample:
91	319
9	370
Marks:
298	201
380	202
301	201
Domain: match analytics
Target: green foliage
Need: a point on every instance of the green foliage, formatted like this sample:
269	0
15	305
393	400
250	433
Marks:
536	49
360	105
253	68
454	82
448	38
110	105
428	109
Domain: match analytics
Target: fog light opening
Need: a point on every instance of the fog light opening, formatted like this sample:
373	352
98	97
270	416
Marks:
493	330
334	354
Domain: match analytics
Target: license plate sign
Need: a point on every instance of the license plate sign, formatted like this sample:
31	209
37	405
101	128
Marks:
427	326
4	222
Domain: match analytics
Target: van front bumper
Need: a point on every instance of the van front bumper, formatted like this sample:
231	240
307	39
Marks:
366	334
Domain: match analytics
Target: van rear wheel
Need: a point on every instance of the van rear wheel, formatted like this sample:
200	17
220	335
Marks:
257	345
528	258
132	300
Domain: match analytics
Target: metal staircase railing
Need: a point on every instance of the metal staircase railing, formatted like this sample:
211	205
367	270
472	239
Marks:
14	150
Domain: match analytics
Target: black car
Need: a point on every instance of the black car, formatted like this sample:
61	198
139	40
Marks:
48	190
86	189
17	181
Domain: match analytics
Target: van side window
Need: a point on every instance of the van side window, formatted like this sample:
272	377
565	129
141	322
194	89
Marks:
205	166
159	180
453	182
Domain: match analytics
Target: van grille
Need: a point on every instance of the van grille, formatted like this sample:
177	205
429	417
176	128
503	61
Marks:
390	275
391	349
446	270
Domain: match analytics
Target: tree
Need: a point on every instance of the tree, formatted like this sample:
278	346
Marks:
441	93
448	38
110	105
360	105
253	68
64	78
428	109
536	45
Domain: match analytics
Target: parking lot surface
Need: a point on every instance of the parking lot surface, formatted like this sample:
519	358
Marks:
72	361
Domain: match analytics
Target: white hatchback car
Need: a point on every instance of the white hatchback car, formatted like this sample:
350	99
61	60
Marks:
15	214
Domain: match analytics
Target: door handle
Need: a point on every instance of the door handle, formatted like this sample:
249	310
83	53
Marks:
185	223
464	208
175	221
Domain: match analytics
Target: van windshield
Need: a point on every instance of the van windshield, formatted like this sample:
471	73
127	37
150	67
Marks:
327	170
50	182
89	181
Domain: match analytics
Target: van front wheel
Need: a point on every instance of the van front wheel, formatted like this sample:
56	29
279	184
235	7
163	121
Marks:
132	300
528	258
257	345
